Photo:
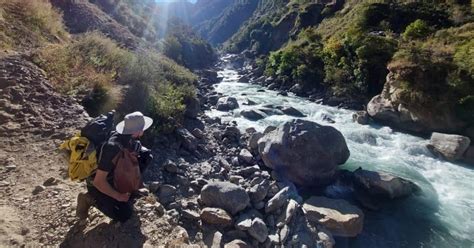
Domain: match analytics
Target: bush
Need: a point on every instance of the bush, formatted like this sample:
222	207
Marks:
417	30
87	69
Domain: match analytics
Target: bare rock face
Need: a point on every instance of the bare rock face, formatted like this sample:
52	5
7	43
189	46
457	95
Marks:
225	195
394	108
338	216
451	147
382	184
287	150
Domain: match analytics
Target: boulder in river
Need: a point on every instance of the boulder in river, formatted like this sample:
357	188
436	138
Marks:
225	195
339	216
382	184
227	103
361	117
291	111
306	152
450	146
253	114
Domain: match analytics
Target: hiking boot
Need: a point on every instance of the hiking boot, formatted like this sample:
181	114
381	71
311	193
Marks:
84	202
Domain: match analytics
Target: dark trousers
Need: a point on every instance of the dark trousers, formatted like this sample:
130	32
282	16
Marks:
116	210
119	211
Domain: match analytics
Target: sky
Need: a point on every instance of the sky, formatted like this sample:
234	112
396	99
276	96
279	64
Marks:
167	1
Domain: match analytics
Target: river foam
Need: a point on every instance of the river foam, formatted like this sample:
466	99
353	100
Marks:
441	215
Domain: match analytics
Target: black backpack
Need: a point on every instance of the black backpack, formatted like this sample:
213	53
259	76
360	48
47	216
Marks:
99	129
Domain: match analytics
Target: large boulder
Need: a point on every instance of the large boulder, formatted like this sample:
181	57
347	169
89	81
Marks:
339	216
449	146
306	152
253	115
225	195
291	111
227	103
382	184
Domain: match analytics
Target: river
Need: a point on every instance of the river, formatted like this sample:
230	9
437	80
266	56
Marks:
441	215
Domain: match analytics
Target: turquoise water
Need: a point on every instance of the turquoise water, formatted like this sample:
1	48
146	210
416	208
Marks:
441	215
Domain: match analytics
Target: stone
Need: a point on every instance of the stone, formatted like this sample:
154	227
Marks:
469	155
237	243
269	129
227	103
361	117
244	222
292	111
213	239
290	210
225	195
259	191
190	214
258	230
171	167
339	216
286	150
253	114
326	239
51	182
449	146
253	141
193	106
189	142
277	201
216	216
38	189
198	133
284	233
382	184
245	156
154	186
166	193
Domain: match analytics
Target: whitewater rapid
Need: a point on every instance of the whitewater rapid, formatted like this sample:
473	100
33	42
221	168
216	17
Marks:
441	215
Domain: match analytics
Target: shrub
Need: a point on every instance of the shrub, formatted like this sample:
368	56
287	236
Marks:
417	30
86	68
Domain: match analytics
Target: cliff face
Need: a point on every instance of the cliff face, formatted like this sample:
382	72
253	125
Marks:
395	107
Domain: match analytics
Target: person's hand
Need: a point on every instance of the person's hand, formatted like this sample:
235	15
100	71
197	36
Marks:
123	197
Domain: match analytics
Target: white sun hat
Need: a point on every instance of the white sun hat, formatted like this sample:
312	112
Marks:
134	122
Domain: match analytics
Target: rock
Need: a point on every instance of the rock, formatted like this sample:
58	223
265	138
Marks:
284	233
227	103
253	114
38	189
290	210
237	243
282	93
225	195
249	102
193	106
253	141
383	184
198	133
291	111
166	193
326	239
469	155
338	216
213	239
51	182
244	79
245	156
243	222
232	133
361	117
216	216
259	191
258	230
277	201
171	167
188	140
449	146
286	150
269	129
154	186
178	237
190	214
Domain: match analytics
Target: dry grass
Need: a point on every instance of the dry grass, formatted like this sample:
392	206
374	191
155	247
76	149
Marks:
29	23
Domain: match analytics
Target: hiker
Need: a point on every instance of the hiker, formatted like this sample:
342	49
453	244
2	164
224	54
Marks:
106	189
